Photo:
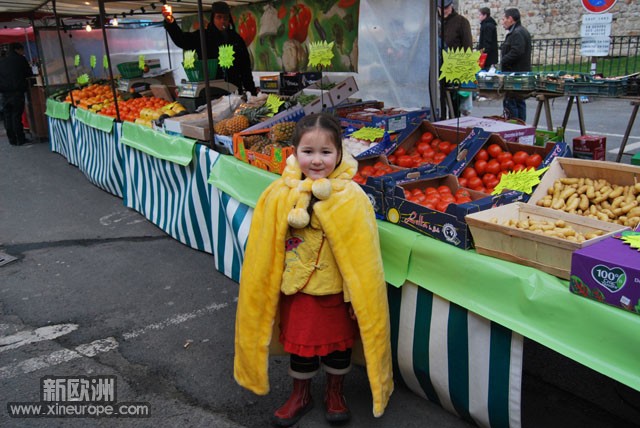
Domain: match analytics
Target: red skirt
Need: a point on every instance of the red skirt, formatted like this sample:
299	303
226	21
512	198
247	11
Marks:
315	325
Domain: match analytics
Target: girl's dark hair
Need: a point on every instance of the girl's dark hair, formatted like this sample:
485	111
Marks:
323	121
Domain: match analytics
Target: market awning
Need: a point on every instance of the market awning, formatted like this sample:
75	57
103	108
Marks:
10	35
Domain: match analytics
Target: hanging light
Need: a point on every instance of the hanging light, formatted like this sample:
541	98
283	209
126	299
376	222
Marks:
114	21
88	27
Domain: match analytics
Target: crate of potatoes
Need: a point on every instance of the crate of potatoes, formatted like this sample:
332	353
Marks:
605	191
534	236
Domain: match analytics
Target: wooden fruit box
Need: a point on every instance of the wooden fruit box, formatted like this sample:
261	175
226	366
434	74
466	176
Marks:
274	162
547	253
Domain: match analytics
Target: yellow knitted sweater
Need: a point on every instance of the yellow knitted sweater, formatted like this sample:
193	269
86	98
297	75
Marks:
347	218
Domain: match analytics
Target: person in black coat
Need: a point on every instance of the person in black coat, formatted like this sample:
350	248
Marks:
220	31
488	42
516	56
14	71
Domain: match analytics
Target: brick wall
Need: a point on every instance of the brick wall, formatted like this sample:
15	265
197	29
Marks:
548	19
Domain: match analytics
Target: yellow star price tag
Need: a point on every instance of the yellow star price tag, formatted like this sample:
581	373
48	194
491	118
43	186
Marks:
189	60
226	56
83	79
632	238
320	54
273	103
92	61
141	62
76	60
105	62
523	181
459	64
368	133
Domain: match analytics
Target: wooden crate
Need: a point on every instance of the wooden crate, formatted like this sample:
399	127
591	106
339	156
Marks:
613	172
547	253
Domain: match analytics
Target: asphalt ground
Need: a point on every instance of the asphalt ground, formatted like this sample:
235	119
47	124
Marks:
127	300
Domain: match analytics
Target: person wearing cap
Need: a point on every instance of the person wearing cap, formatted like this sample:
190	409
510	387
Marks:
14	71
220	31
516	56
456	34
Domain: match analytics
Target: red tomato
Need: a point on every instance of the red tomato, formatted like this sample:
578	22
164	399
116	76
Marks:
432	199
439	157
507	165
480	166
445	147
493	166
447	197
427	137
504	156
462	181
534	160
494	150
463	199
431	191
443	205
482	155
444	189
392	158
469	172
416	191
520	157
488	178
475	183
462	192
405	161
435	142
419	197
367	171
518	167
400	151
423	146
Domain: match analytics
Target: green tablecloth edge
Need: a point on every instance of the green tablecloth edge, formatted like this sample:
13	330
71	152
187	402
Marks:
57	110
523	299
171	148
97	121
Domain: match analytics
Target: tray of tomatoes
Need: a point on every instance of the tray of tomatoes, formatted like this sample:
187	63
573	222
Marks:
491	163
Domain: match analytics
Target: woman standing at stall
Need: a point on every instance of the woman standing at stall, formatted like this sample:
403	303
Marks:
220	31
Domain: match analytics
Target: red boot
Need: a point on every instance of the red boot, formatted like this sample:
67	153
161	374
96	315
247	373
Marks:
336	410
297	405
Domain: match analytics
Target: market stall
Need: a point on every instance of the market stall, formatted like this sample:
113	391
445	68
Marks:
61	135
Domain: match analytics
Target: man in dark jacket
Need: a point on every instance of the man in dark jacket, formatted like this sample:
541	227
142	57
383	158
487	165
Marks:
220	31
488	42
516	56
14	71
456	34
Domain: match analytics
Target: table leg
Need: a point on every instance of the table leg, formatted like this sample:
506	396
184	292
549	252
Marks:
632	119
536	118
580	116
567	112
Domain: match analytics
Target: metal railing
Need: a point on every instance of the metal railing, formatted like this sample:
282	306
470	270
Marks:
565	54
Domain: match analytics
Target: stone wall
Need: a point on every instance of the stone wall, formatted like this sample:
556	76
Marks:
549	19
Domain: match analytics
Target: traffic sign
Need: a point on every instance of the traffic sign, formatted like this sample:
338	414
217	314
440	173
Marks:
598	6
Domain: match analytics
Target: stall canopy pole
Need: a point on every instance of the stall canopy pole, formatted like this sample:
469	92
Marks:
103	25
64	59
205	68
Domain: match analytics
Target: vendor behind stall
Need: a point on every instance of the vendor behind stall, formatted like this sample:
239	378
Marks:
220	31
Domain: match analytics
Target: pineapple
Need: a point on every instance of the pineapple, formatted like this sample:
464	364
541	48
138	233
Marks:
220	127
235	124
282	132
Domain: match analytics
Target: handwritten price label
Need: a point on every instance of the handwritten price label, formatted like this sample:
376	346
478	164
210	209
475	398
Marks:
320	54
226	56
368	133
523	181
459	64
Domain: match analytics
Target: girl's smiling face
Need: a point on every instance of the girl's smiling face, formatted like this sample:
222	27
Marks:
317	154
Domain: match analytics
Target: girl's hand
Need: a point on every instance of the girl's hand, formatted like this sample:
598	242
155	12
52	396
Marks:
352	314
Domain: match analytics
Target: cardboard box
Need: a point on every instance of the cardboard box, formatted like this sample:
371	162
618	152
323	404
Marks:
608	272
270	84
274	162
547	253
591	147
449	226
390	119
291	83
522	134
340	91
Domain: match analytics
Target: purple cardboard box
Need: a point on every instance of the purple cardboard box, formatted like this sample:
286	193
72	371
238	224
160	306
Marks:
609	272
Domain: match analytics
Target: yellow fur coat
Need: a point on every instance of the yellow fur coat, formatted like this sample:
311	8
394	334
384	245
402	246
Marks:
347	218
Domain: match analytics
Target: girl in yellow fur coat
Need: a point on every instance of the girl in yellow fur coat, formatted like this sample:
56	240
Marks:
313	256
